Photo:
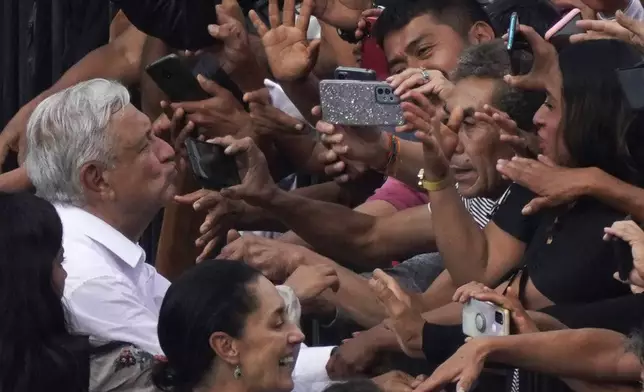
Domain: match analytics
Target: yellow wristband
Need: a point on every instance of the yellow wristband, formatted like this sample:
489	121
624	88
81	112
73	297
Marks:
432	186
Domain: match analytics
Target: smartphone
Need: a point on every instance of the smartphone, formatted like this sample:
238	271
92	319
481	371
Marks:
518	47
176	80
372	55
631	81
566	26
351	73
212	168
485	319
359	103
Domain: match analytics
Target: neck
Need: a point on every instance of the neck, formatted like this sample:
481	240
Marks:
130	225
222	381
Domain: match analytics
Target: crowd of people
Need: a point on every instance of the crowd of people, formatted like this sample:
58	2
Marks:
344	257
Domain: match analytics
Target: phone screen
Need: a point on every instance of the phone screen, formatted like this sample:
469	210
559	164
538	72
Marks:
212	167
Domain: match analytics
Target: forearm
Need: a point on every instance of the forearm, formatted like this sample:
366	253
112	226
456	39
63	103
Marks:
616	193
590	354
464	263
151	94
408	163
15	181
440	292
354	297
305	95
316	222
301	151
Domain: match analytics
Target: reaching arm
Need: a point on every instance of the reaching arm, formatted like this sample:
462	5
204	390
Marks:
469	253
590	354
616	193
372	241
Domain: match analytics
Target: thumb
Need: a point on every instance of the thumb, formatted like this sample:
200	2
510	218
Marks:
233	235
235	192
209	86
313	51
190	198
535	205
546	161
455	120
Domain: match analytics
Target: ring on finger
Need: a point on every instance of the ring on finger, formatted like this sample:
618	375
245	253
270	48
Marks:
425	74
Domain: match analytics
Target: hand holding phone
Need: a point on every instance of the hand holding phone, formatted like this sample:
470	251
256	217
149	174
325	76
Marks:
176	80
485	319
566	26
212	168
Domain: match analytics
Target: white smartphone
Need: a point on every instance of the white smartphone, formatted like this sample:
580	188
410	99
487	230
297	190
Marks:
485	319
359	103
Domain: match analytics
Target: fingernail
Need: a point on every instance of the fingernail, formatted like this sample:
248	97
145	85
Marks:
526	210
196	206
299	127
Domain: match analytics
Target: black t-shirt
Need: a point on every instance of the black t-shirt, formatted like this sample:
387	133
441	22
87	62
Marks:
565	257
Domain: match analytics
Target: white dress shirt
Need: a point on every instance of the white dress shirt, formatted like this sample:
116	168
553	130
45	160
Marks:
112	294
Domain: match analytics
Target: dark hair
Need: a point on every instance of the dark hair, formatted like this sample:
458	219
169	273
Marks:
460	15
598	126
358	385
213	296
34	340
490	60
538	14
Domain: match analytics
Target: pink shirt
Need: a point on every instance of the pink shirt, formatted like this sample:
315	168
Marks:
399	195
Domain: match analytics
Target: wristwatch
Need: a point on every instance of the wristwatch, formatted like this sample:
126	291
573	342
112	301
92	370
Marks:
432	186
348	36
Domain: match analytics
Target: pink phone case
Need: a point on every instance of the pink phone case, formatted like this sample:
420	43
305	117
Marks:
562	22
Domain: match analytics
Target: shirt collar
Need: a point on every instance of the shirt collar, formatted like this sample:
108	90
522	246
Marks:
85	223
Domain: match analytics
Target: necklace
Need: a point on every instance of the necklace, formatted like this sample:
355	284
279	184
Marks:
555	225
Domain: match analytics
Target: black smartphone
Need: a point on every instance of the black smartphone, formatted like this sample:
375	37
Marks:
631	81
352	73
176	80
211	166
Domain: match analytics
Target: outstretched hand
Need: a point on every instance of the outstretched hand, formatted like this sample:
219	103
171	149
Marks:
555	185
290	54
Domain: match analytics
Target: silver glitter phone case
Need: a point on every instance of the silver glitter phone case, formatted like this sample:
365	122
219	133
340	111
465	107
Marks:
361	103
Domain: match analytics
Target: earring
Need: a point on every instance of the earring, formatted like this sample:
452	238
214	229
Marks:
237	373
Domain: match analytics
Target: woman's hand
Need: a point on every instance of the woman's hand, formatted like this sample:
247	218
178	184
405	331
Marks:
622	28
363	23
404	317
523	143
630	232
309	281
290	55
521	320
268	119
545	73
397	381
554	185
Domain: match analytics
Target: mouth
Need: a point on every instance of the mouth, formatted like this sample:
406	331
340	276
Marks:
287	362
462	173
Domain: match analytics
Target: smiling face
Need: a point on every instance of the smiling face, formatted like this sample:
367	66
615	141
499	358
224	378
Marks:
479	147
269	343
423	43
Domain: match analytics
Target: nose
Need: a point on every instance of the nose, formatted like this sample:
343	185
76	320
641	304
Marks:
537	119
295	336
460	148
165	152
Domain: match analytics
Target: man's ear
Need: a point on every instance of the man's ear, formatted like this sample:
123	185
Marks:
226	347
481	32
94	180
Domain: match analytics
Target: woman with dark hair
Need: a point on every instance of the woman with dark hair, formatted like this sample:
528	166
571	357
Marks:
37	350
224	327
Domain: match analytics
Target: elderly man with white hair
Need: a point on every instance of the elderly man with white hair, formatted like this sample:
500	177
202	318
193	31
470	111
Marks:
94	156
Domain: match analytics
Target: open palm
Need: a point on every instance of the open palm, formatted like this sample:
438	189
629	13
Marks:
290	55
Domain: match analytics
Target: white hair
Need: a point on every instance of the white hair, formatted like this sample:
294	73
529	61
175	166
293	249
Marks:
68	130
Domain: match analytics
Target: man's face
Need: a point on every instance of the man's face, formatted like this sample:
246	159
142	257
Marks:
423	43
144	171
479	147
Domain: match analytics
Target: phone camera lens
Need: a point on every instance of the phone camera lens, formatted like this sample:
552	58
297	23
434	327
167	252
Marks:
167	75
387	91
342	75
380	91
479	322
498	317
